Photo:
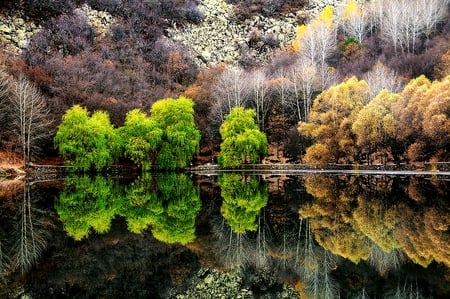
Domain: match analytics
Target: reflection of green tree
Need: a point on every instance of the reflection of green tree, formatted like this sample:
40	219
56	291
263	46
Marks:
142	206
87	203
243	198
180	203
168	203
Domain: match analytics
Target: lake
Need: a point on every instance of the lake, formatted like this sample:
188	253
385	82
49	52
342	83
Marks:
231	235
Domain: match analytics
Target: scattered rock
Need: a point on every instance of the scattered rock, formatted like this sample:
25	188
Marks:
15	32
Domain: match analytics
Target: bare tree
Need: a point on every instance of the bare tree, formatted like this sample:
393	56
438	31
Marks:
4	96
354	21
403	21
260	99
231	89
29	116
381	77
306	80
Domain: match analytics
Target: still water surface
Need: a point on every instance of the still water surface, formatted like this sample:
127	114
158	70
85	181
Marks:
323	236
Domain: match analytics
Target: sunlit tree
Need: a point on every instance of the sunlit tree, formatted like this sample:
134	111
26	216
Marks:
242	139
180	139
87	142
330	121
375	125
140	137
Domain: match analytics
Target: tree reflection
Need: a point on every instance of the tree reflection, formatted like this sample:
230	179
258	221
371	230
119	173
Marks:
243	199
384	261
407	291
23	237
357	218
179	204
143	206
315	265
87	203
168	203
31	241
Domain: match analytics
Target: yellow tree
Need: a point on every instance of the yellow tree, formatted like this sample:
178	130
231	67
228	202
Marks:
317	41
354	21
422	113
436	120
408	110
330	122
375	125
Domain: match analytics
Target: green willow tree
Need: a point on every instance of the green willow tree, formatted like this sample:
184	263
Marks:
180	139
141	137
242	139
87	142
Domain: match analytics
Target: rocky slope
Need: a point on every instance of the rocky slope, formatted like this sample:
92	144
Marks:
220	37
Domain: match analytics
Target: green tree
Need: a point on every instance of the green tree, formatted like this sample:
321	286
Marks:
87	142
180	139
141	137
243	199
242	139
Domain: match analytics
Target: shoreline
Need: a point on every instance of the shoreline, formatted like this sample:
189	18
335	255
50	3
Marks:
57	171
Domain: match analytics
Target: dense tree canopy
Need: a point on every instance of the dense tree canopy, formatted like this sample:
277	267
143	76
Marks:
87	142
330	121
242	140
141	137
180	139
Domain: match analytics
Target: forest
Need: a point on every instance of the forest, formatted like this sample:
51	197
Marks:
361	82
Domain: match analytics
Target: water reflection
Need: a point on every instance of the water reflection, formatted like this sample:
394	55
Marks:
25	232
243	198
335	236
361	218
168	203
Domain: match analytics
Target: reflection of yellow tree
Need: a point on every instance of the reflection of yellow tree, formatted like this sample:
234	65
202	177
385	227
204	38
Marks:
331	219
243	199
87	203
377	222
373	228
424	236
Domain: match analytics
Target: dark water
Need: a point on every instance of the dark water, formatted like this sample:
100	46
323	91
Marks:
327	236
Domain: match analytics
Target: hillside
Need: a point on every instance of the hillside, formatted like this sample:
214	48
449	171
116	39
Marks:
116	56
